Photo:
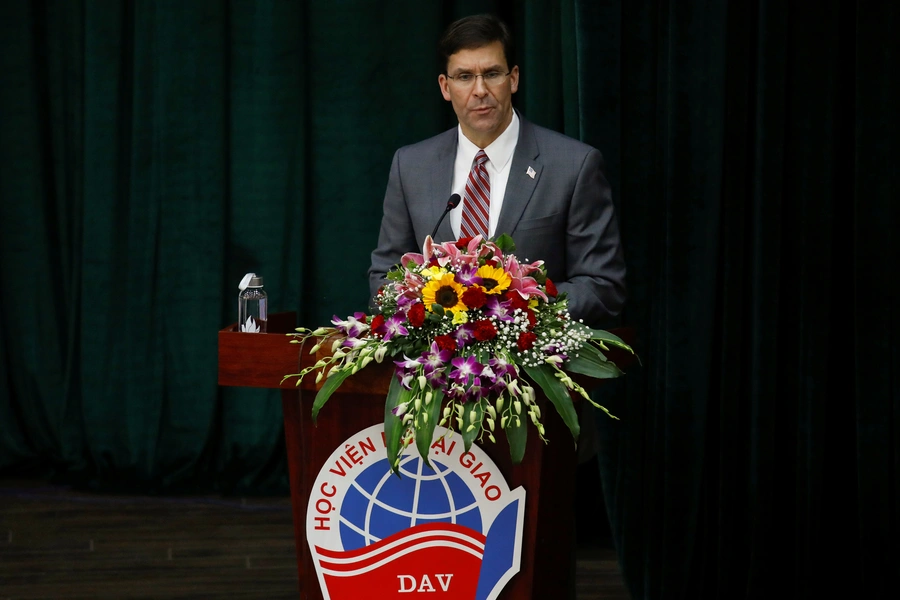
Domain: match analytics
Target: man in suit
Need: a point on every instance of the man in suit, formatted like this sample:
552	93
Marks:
544	189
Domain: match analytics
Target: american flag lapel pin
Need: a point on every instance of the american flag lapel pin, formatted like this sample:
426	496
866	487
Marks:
530	172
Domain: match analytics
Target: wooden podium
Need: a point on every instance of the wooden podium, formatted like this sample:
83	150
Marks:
547	473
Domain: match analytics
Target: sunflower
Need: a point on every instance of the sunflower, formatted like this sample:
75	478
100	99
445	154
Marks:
443	290
493	279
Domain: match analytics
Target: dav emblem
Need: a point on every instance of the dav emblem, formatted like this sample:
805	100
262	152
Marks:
453	531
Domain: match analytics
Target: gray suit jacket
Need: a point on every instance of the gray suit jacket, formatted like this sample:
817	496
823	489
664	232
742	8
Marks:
563	215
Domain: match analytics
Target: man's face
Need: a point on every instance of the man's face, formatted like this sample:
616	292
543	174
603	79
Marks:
483	108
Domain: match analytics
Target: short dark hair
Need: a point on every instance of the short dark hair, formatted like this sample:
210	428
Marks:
474	32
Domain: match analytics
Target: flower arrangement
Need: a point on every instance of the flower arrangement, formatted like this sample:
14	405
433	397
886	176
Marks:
471	331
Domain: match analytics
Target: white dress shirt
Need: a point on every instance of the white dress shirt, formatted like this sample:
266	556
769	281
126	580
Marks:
499	153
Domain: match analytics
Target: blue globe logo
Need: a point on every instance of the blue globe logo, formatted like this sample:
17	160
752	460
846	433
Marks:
380	504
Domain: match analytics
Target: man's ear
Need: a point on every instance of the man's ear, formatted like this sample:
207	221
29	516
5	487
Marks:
514	79
445	86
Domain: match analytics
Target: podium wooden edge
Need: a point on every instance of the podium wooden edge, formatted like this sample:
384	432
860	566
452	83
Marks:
259	360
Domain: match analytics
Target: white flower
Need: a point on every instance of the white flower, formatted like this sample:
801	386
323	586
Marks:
250	326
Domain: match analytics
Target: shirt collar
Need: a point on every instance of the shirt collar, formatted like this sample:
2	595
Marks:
499	152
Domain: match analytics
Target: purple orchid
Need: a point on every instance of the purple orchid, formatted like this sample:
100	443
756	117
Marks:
499	386
437	379
494	373
406	371
488	373
434	362
453	393
466	275
394	326
464	335
476	392
352	327
407	364
405	379
503	367
352	343
463	368
495	308
400	409
405	301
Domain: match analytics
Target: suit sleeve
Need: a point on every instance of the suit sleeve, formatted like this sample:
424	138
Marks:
595	264
397	236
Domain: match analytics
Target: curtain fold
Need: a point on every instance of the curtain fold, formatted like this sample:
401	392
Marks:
759	439
153	153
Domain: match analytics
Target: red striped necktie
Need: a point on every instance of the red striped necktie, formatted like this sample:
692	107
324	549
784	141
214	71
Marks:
476	216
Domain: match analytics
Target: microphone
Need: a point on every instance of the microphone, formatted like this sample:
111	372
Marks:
452	203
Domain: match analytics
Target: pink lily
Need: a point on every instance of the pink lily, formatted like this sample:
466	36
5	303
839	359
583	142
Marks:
412	257
517	269
527	287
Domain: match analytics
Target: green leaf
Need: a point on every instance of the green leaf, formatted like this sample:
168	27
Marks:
330	386
505	243
437	309
425	431
517	434
610	339
470	436
393	425
558	394
591	362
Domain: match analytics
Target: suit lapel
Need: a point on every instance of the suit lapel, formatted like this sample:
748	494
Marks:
520	185
441	184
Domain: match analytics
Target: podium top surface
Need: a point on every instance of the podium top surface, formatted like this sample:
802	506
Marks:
259	360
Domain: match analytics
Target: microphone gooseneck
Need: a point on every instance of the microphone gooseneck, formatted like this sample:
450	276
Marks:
452	203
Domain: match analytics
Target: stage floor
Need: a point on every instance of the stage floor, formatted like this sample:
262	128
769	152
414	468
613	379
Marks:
62	544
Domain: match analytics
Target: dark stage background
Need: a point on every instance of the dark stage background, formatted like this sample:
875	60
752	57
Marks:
151	153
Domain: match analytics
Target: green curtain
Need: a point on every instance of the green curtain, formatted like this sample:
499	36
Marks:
151	153
754	147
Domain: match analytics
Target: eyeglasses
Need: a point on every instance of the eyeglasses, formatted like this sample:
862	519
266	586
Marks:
490	79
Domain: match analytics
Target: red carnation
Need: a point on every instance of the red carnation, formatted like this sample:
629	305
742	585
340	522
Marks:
474	297
445	342
517	301
526	341
377	321
551	288
484	330
463	242
532	319
416	315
